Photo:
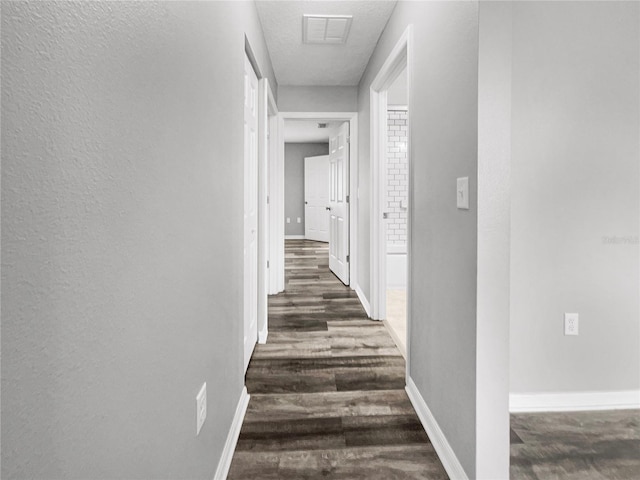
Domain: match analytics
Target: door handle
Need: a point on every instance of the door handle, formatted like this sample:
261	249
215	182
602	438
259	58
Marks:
328	208
385	215
306	202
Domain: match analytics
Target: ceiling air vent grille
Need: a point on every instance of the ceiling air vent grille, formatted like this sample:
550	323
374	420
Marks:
326	29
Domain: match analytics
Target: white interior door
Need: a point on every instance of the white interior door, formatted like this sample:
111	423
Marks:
339	202
250	211
316	198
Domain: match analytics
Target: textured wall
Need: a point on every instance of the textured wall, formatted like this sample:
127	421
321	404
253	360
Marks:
444	122
294	155
122	147
397	180
576	151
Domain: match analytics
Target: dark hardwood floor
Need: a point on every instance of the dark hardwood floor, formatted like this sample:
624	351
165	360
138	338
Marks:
576	445
327	389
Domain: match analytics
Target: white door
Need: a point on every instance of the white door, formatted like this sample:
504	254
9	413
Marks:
339	202
316	198
250	211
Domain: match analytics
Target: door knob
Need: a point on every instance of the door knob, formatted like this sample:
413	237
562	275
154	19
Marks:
328	208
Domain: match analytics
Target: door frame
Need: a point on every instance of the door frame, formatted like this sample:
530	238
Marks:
352	118
267	152
249	279
399	58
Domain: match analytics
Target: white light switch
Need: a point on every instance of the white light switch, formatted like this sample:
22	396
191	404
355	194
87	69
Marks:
462	193
201	407
288	220
298	219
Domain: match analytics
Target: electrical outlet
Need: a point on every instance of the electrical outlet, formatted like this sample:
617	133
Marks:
201	407
571	323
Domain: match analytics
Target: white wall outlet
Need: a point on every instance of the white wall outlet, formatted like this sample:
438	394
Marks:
298	219
288	219
462	193
571	323
201	407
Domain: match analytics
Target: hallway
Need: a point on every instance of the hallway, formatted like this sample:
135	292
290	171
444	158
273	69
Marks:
327	390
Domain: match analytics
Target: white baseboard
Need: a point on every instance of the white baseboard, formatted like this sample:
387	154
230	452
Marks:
438	440
573	401
232	437
363	300
294	237
262	336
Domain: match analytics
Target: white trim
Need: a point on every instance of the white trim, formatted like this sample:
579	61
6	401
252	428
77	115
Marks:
446	454
276	232
397	61
409	35
278	199
574	401
363	299
262	336
264	110
396	339
294	237
232	437
400	57
352	118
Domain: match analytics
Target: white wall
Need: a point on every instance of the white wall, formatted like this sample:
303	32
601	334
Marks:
294	155
443	108
576	109
317	99
121	235
494	181
398	92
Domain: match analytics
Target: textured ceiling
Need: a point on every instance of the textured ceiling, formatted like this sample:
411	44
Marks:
307	131
296	63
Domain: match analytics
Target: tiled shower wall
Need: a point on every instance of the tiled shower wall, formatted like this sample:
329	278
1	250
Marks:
397	178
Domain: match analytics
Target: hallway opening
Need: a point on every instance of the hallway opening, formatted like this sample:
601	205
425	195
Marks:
327	389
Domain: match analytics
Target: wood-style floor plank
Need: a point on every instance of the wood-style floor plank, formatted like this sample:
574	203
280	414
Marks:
327	390
594	445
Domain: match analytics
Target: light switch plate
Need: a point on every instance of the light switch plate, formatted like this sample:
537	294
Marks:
462	193
201	407
288	219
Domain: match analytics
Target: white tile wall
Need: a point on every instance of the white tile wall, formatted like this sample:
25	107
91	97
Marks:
397	180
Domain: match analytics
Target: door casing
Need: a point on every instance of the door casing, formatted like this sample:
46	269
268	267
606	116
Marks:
251	243
352	118
396	62
267	156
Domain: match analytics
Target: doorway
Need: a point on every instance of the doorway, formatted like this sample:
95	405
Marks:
391	195
341	208
396	194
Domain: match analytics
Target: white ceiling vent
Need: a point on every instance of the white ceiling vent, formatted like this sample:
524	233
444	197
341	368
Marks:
327	29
